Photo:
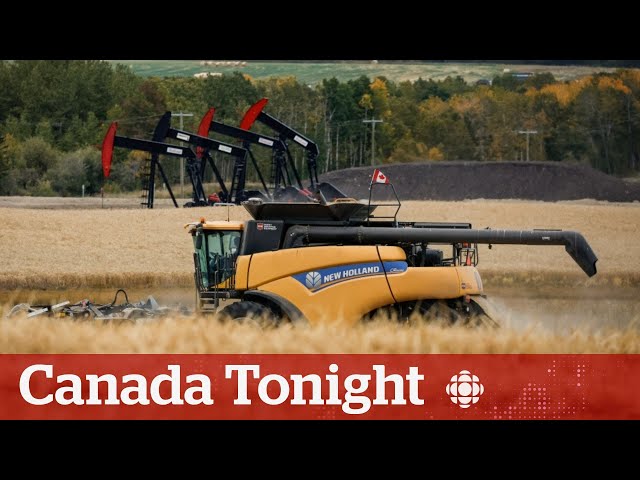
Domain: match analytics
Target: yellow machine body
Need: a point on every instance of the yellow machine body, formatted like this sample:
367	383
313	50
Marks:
344	283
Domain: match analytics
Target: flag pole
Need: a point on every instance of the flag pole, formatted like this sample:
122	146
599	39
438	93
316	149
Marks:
370	189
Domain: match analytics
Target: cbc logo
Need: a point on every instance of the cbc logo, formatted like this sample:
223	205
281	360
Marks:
465	389
312	280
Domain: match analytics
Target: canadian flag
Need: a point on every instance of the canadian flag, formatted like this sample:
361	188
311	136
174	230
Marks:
379	177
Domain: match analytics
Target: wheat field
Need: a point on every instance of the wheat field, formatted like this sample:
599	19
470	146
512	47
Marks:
207	336
142	247
54	250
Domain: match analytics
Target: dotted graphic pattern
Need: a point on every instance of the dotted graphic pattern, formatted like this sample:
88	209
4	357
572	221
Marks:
544	400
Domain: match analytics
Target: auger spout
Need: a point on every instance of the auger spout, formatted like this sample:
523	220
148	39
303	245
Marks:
574	243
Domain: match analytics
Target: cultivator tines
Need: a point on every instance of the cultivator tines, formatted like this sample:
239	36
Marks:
86	309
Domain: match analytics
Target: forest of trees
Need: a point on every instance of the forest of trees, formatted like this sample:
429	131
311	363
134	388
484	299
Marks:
54	114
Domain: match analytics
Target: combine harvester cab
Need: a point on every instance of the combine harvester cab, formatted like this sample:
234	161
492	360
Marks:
335	261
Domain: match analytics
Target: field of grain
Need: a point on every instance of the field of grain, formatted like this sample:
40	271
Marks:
134	247
204	335
70	251
314	72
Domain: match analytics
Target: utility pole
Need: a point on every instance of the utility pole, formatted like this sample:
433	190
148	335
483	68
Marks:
182	115
373	122
527	133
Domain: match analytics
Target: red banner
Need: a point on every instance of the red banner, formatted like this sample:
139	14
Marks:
323	387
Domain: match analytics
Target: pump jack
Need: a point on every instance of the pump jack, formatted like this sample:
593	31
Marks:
204	146
283	170
283	173
195	162
156	148
322	190
237	192
280	180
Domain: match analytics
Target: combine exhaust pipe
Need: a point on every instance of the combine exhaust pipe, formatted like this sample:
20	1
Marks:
574	243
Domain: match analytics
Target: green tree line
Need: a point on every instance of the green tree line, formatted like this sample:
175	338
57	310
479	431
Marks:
54	114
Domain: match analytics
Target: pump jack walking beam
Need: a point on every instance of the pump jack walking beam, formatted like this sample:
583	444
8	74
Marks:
285	133
248	139
204	146
195	161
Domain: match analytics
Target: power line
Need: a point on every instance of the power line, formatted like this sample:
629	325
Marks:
527	133
373	122
182	115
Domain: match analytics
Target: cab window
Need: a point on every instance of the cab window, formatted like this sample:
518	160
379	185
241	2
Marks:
222	248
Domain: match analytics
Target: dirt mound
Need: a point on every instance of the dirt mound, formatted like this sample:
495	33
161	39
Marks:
546	181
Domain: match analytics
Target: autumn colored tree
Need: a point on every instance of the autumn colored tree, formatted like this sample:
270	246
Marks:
53	115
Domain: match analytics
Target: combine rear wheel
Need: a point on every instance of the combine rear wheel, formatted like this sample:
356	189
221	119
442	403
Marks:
250	312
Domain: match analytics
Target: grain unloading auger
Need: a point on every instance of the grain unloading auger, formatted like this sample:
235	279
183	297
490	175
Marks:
316	262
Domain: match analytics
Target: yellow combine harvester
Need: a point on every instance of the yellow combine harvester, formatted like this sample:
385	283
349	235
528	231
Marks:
334	260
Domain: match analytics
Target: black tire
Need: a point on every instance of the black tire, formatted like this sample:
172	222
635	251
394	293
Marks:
246	311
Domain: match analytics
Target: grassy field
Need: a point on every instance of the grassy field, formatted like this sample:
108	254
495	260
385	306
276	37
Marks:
313	73
149	249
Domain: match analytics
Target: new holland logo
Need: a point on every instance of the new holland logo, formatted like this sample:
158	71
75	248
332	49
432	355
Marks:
313	280
319	279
